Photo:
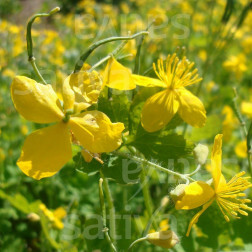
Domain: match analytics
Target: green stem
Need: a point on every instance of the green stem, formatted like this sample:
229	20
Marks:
146	194
111	208
149	163
153	217
138	54
32	61
31	57
247	133
135	242
249	147
238	113
116	51
86	54
104	216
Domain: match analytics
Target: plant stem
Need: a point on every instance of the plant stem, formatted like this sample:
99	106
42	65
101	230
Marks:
247	133
86	54
104	216
33	63
238	113
249	148
116	51
138	54
111	208
31	57
135	242
146	193
149	163
195	171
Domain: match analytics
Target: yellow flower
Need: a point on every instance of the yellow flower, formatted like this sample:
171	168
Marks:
8	73
226	194
210	86
247	44
46	150
202	55
174	76
241	149
159	109
54	216
158	14
246	108
236	64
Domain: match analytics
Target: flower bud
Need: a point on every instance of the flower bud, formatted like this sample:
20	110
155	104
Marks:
165	201
33	217
165	239
178	192
201	153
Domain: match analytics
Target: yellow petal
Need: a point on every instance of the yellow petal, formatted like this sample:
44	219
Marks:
147	81
191	109
246	108
45	151
216	160
87	87
68	95
196	194
88	157
196	216
34	101
117	76
106	136
60	213
158	110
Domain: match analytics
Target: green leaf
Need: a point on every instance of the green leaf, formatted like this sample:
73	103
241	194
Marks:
213	127
90	168
45	224
163	146
18	201
120	169
116	107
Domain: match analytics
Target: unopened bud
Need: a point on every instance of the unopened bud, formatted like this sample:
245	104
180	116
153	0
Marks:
201	153
33	217
165	201
177	193
165	239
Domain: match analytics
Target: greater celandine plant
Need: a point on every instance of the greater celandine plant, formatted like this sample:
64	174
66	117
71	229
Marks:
73	118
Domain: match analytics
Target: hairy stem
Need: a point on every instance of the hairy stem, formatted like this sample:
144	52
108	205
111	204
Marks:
150	164
111	208
135	242
104	217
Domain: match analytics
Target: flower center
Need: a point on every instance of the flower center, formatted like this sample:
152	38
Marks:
176	73
228	197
